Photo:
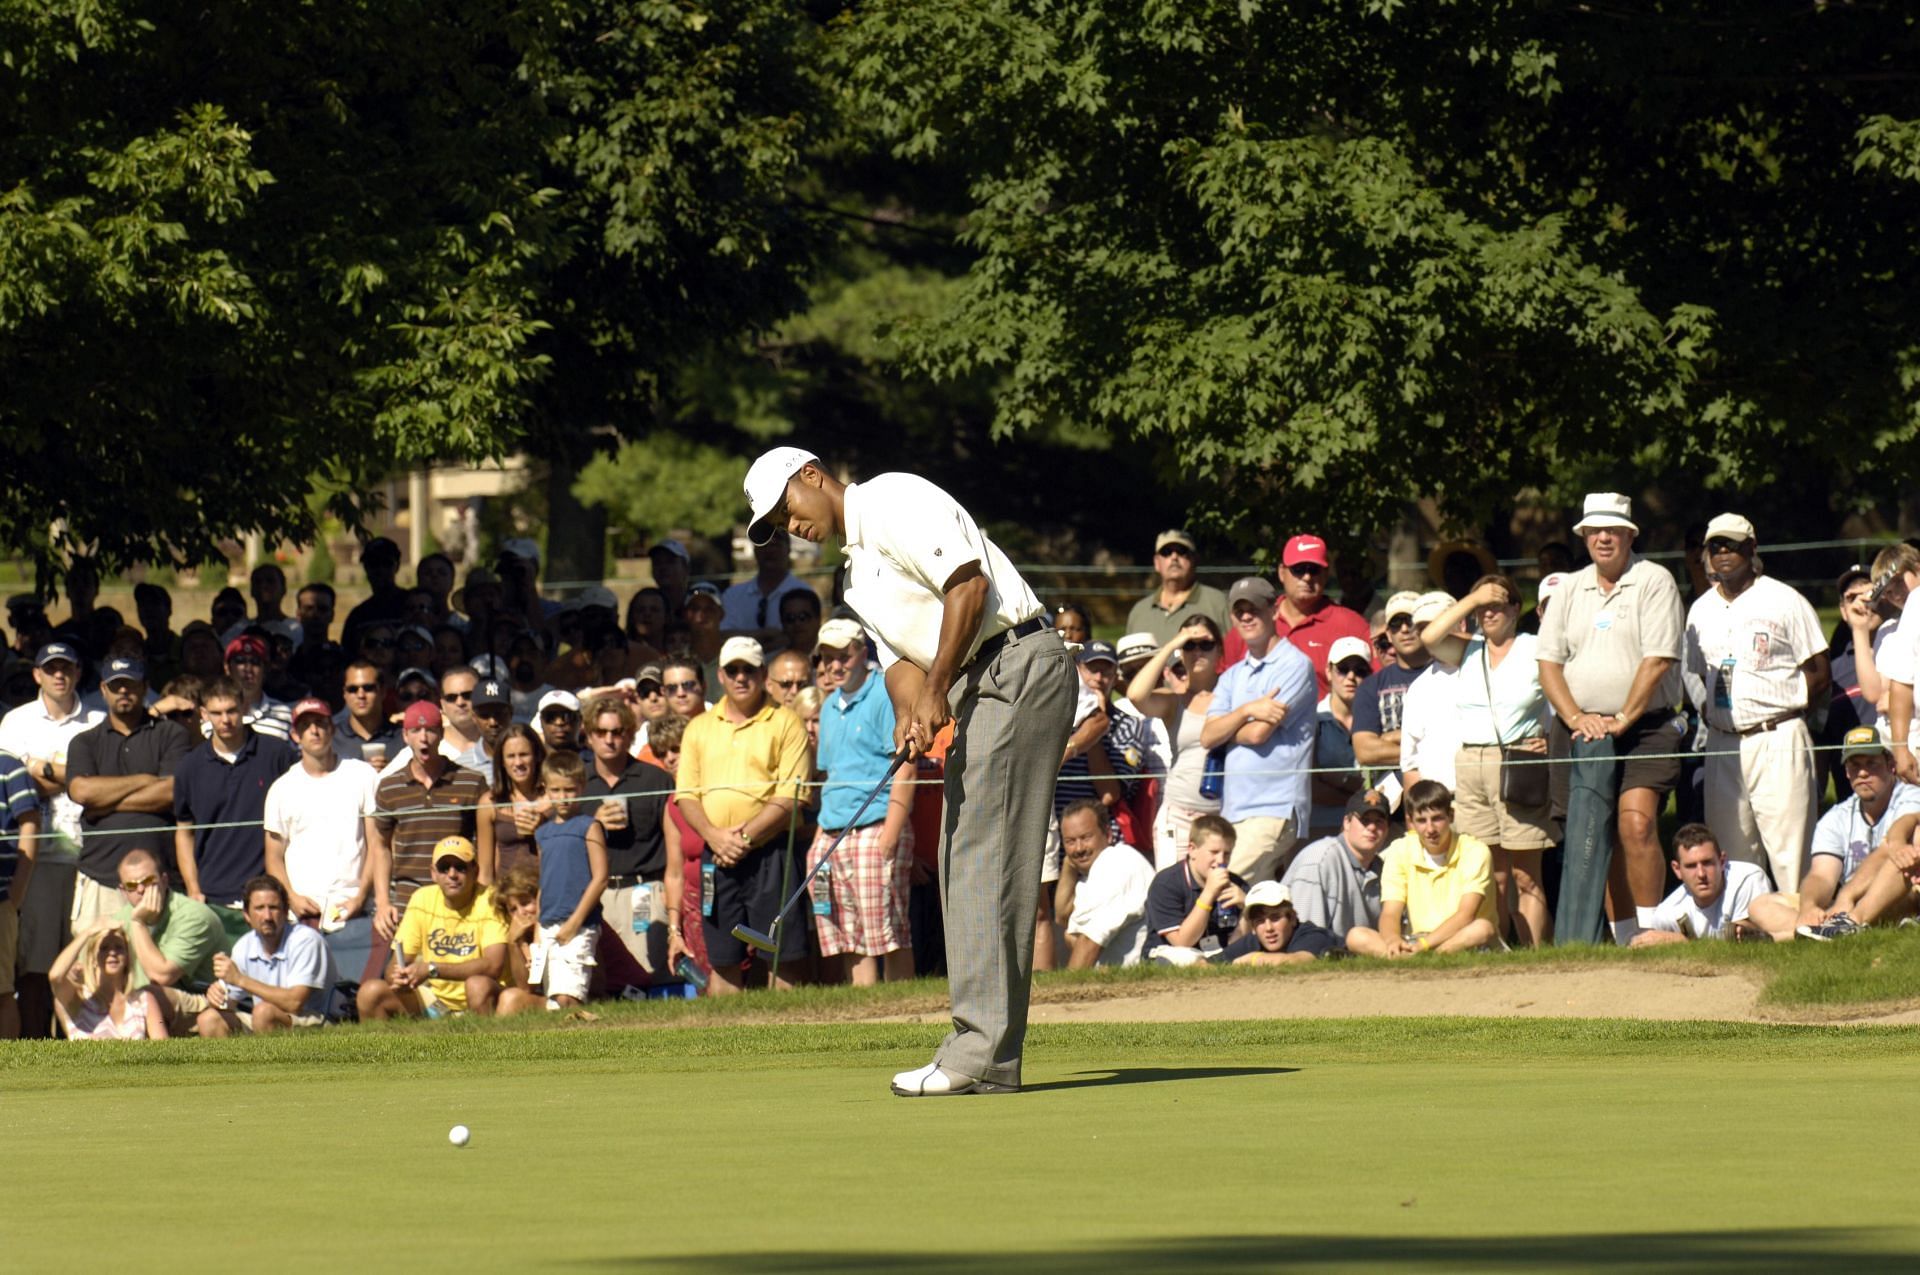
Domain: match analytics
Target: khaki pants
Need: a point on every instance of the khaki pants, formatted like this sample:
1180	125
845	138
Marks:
616	911
1760	798
92	900
1261	847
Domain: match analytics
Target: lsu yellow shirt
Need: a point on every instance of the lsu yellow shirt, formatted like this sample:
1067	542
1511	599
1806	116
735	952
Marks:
432	928
738	767
1432	892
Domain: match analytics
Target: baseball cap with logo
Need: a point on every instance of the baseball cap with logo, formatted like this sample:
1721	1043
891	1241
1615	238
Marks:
1268	894
489	693
453	848
1862	741
1550	586
1369	801
767	486
1095	651
1401	603
246	646
742	650
1173	536
1135	646
312	707
566	701
703	589
422	712
1255	589
124	669
1431	605
647	673
57	651
840	634
1304	549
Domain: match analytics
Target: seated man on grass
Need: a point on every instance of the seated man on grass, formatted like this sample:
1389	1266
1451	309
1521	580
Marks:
1849	883
1195	904
1102	891
1275	933
450	948
173	939
1713	897
1436	885
279	975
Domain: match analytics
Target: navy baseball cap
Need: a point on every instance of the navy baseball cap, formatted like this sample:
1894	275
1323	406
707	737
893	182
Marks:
1098	651
124	669
56	651
489	693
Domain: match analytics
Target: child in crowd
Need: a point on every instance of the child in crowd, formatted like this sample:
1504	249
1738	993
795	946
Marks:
517	901
1440	882
573	875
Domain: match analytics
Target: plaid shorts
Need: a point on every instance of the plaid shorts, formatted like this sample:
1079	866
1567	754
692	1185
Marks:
869	892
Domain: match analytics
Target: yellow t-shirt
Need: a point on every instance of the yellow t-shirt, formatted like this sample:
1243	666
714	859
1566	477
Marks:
1432	894
743	764
432	926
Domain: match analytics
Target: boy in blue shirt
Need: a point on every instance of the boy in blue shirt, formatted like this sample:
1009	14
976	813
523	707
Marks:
573	875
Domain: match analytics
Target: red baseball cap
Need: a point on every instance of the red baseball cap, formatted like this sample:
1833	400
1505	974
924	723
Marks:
420	713
247	644
1304	549
310	707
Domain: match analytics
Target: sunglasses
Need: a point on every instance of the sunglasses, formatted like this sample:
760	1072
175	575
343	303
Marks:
679	688
609	732
453	865
790	685
648	689
362	688
1352	668
134	887
1399	622
458	697
1176	551
739	670
1307	569
1199	645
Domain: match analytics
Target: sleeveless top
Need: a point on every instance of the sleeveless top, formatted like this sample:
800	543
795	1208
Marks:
92	1021
1189	759
510	849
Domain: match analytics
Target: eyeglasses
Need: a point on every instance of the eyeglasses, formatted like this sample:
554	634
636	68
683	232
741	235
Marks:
362	688
134	887
679	688
453	865
790	685
1199	645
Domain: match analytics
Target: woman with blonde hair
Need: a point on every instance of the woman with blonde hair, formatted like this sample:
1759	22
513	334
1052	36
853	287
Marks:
90	992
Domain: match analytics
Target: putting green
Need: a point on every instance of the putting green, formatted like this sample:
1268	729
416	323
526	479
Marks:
1425	1144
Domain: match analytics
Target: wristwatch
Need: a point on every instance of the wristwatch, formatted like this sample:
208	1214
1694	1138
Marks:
433	971
46	771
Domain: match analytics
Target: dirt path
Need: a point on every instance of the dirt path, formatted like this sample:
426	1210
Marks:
1594	992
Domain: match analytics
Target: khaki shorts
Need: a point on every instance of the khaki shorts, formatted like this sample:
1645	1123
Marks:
1262	848
616	914
9	946
1479	812
92	900
183	1010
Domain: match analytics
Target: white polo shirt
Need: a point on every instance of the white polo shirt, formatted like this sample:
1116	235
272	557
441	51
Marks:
1845	832
322	818
1745	883
1431	725
905	539
1744	654
1110	906
32	730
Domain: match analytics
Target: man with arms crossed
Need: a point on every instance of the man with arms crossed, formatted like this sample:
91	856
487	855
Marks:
963	638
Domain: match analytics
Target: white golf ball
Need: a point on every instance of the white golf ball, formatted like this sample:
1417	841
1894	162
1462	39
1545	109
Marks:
458	1135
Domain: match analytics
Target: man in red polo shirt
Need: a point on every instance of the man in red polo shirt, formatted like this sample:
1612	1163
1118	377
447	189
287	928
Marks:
1305	615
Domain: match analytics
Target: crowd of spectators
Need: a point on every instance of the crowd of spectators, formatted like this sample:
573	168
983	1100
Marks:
483	800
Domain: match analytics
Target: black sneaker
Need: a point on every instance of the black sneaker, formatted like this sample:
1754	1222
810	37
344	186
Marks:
1837	926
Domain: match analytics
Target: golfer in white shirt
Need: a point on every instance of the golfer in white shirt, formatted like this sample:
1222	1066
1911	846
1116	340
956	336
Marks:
963	639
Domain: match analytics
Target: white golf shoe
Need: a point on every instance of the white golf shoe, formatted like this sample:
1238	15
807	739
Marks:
932	1081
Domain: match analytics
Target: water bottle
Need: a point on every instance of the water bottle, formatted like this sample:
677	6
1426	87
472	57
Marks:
1213	775
1226	917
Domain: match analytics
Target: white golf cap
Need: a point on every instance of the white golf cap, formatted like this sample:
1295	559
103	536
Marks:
840	634
1347	648
526	548
1605	509
1730	527
596	595
1550	586
1431	605
558	699
1136	646
1268	894
1401	603
767	483
742	650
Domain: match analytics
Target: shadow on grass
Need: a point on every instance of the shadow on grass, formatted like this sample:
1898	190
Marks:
1150	1076
1753	1250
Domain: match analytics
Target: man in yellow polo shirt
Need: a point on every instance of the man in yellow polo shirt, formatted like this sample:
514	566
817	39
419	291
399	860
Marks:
741	765
451	945
1438	881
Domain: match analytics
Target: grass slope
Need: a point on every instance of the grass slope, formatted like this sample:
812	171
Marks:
1422	1144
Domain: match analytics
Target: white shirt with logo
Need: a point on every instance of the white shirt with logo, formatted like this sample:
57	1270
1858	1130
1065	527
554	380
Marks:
1744	654
1745	883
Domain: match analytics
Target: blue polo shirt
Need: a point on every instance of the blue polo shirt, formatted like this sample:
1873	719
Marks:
208	789
856	747
302	960
1273	779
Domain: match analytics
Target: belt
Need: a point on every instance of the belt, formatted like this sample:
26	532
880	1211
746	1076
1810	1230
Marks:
620	881
1772	723
993	645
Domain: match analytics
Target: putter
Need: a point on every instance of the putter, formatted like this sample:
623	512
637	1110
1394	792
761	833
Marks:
770	942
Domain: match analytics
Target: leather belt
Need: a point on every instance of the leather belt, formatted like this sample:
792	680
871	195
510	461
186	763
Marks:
620	880
1772	723
993	645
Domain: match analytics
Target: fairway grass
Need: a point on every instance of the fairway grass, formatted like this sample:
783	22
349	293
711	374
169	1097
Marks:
1413	1144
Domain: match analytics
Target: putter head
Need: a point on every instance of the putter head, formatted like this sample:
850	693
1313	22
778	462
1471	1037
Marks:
754	938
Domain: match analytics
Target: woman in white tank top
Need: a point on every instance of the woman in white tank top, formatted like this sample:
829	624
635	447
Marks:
1180	701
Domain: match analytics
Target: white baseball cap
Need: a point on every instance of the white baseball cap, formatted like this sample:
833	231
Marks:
1268	894
1136	646
1346	648
742	650
1550	586
840	634
767	483
1431	605
558	699
1730	527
